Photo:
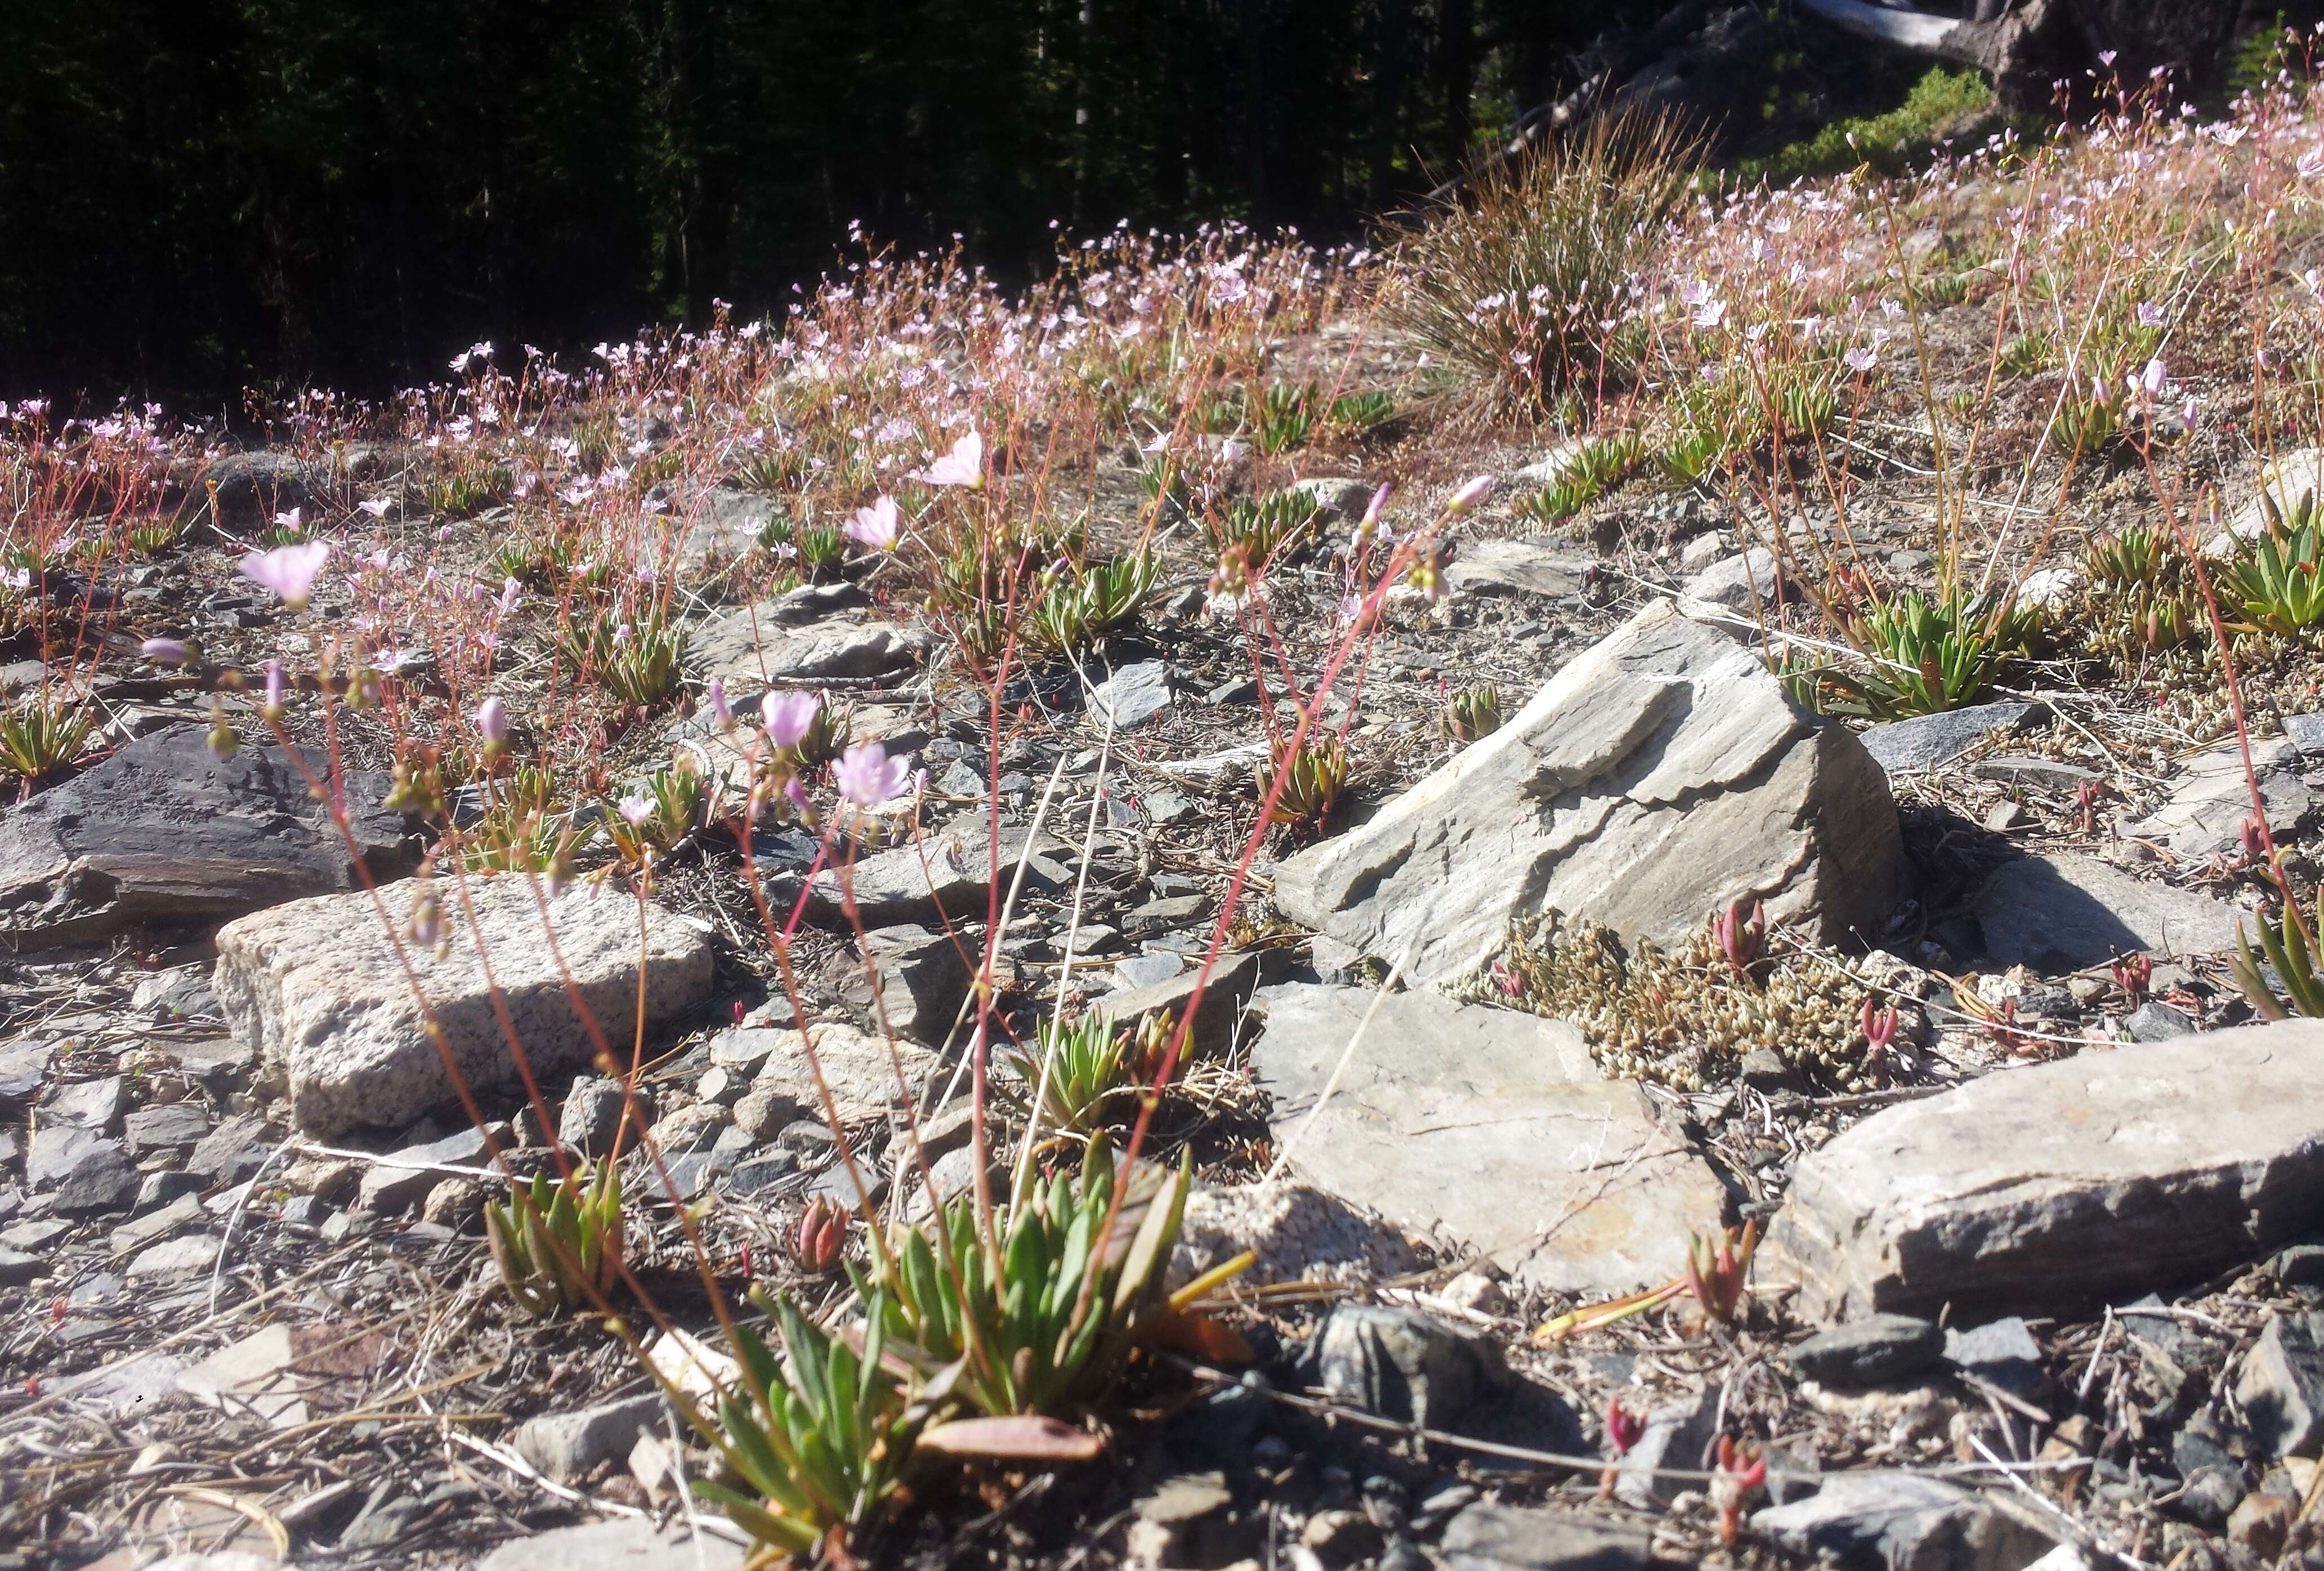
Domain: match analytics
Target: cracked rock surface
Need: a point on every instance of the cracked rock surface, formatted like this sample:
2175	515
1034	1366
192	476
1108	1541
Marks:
1663	773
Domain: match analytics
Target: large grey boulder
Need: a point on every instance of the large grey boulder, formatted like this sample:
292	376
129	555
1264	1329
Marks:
318	987
1489	1124
162	831
1663	773
2056	1186
2063	912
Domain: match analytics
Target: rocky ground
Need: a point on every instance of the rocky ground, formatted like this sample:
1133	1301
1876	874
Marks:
250	1309
1934	1011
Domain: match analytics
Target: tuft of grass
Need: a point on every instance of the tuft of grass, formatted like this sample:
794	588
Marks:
1512	280
40	739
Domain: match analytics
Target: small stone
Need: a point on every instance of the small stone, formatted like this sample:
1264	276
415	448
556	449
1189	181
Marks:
1904	1524
402	1179
691	1128
2211	1494
318	986
2004	816
1733	583
2299	1266
1622	792
2212	797
1703	550
1491	1537
2281	1389
173	1259
306	1211
630	1543
763	1172
1763	1069
2155	1021
131	1236
564	1446
2001	1352
82	1172
165	1126
591	1114
161	1189
1297	1234
233	1151
2009	1192
17	1267
1932	742
950	873
1150	969
93	1105
1476	1292
456	1203
2261	1522
764	1112
1131	696
2063	912
1518	566
1404	1365
1340	1537
1678	1435
1870	1351
859	1069
162	830
922	981
721	1085
1167	808
1176	910
2040	774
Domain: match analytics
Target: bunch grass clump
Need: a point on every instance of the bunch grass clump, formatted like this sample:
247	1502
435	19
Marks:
1513	280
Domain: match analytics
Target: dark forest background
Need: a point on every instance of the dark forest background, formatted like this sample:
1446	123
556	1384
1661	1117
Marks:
195	194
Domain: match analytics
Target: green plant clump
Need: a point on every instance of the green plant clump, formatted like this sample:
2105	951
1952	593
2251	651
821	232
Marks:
1043	1317
558	1244
1925	656
1890	142
1684	1018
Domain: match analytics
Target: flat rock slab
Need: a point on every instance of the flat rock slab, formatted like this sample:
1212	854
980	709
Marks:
622	1544
947	873
752	649
2054	1187
1516	567
2211	798
162	831
1489	1123
2063	912
1906	1523
1131	696
1660	775
316	987
1931	742
1732	583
